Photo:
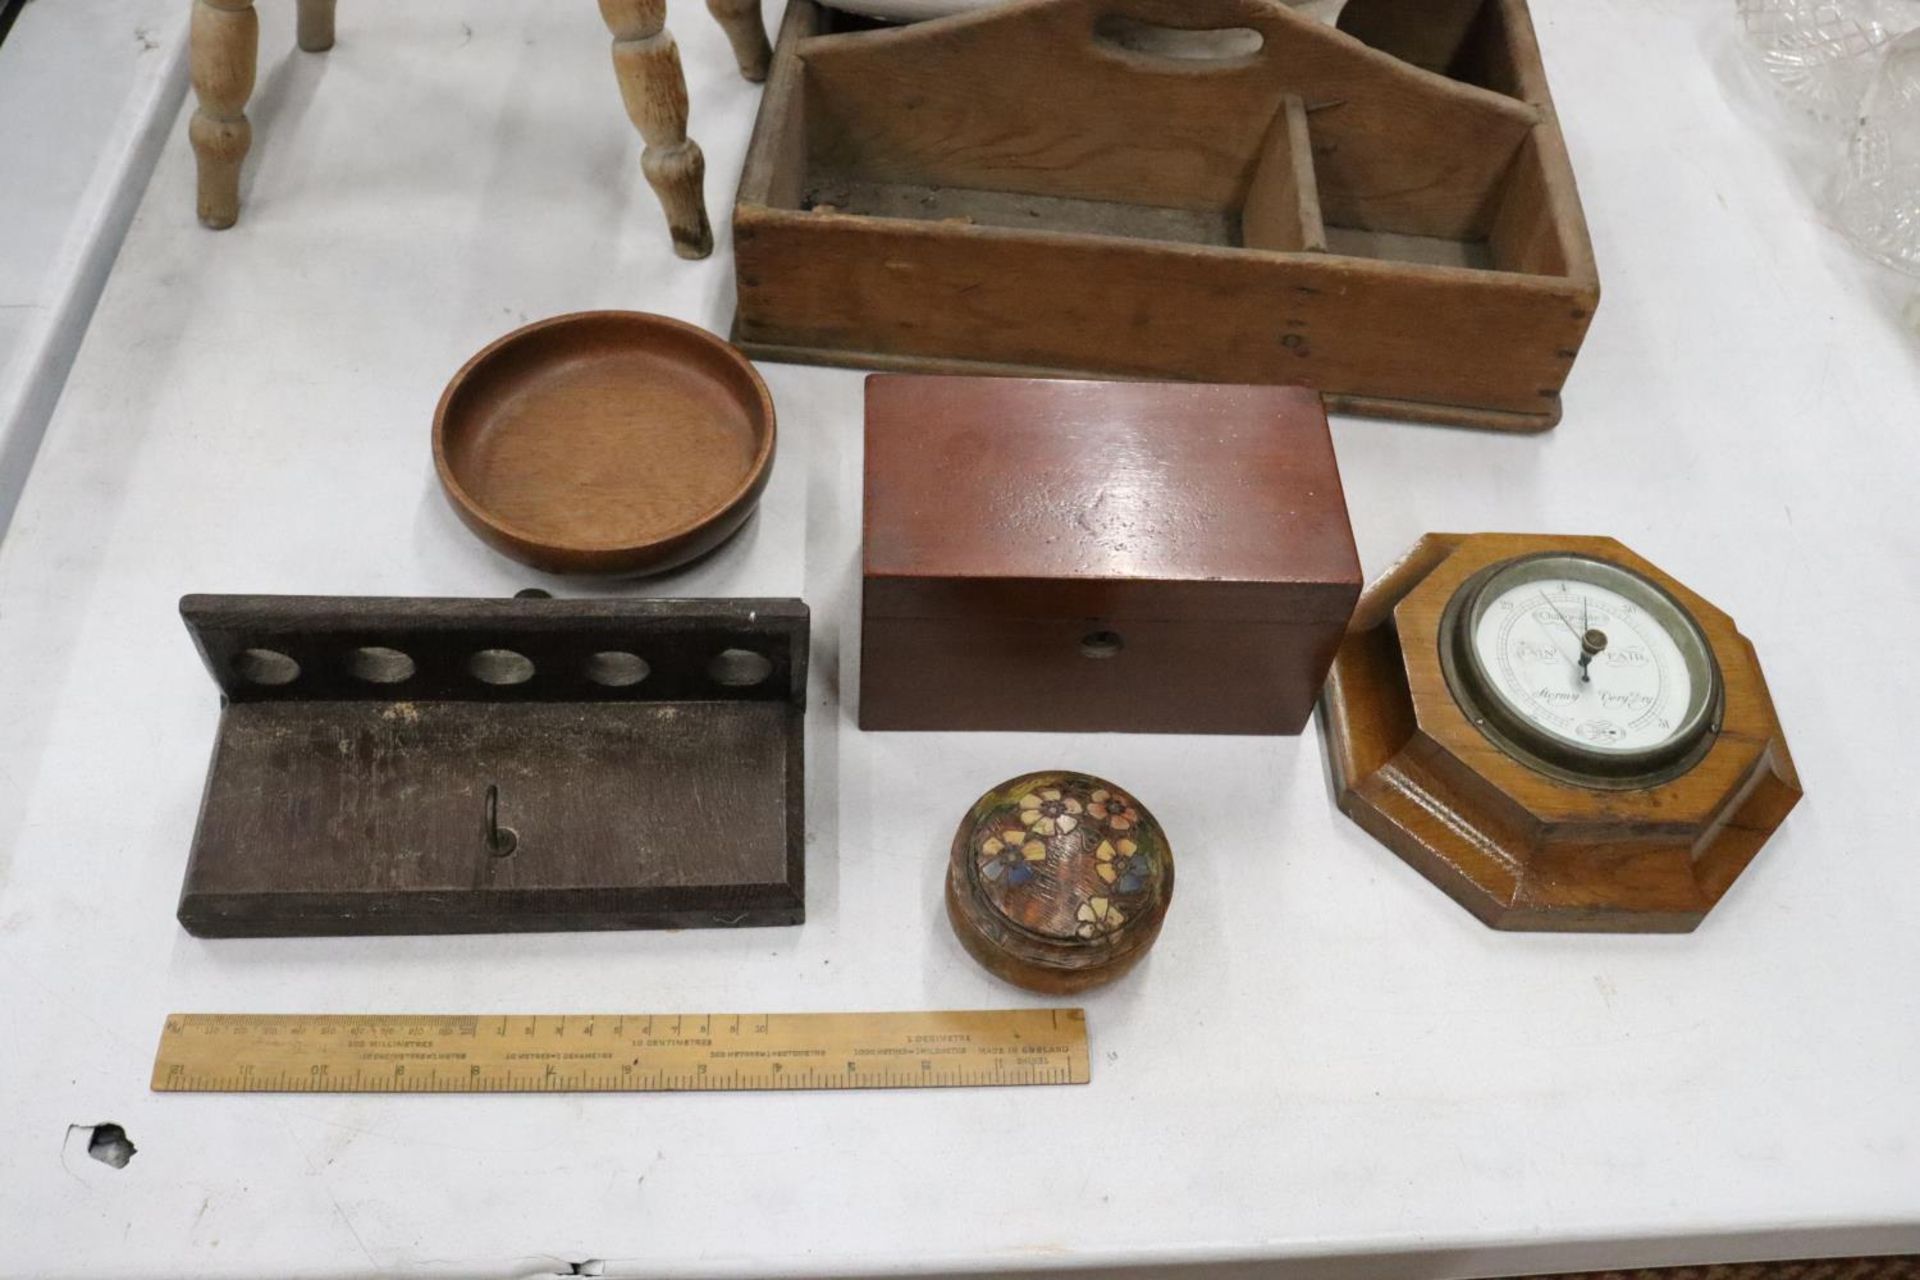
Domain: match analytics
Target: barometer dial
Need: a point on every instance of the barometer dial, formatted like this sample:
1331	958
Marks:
1582	668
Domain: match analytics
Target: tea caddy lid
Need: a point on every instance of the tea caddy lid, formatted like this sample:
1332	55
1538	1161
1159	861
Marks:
1059	871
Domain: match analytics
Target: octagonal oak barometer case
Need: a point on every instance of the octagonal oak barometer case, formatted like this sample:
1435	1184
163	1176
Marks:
1555	732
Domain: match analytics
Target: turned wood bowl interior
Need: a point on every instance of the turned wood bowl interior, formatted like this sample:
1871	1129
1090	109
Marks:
605	442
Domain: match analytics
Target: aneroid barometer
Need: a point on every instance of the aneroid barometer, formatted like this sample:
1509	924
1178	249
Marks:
1556	732
1583	668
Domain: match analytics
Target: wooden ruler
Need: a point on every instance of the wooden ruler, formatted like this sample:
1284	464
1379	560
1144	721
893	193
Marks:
617	1053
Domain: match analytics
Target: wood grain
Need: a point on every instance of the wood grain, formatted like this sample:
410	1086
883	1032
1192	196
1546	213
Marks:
654	88
740	19
352	797
605	442
223	49
1058	909
1282	209
1084	305
1520	849
876	227
1402	149
1008	520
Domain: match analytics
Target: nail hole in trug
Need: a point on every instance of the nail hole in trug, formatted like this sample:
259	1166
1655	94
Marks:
266	666
110	1146
739	668
500	666
379	665
616	669
1101	644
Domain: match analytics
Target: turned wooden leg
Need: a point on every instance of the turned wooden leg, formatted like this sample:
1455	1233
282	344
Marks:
655	91
224	43
315	32
740	19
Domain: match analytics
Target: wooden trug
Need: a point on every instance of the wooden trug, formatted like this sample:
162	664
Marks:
641	761
1015	190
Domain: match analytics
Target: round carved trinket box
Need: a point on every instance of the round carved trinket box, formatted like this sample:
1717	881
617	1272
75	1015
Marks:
1058	881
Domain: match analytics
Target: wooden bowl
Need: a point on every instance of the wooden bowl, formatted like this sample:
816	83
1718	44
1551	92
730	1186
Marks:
605	442
1058	881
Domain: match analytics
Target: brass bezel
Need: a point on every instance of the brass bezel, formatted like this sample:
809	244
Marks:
1596	767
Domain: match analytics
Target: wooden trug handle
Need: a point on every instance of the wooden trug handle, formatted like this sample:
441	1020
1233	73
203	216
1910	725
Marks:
655	92
1199	15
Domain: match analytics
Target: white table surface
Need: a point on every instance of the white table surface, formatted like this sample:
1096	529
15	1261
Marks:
1326	1068
87	92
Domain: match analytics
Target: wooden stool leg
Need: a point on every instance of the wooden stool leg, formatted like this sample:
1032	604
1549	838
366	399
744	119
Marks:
316	25
740	19
655	91
224	44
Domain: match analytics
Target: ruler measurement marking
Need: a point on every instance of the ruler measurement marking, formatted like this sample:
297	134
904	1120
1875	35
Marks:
618	1053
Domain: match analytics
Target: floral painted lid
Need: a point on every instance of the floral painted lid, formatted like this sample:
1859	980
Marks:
1060	870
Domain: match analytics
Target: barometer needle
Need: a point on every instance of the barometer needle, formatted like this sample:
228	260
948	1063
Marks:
1578	665
1557	613
1592	642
